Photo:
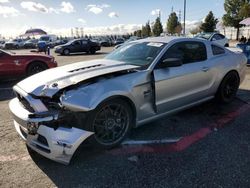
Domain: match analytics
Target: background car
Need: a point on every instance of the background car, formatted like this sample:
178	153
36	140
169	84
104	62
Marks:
119	41
61	42
246	50
14	44
49	40
106	42
2	44
16	65
78	45
214	37
30	44
127	41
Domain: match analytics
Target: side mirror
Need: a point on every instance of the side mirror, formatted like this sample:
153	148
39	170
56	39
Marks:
171	62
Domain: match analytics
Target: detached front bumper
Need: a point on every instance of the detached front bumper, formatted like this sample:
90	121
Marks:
56	144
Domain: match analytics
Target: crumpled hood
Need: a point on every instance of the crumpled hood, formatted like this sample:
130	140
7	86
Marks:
49	82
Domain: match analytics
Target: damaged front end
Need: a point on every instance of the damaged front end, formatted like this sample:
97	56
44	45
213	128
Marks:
47	128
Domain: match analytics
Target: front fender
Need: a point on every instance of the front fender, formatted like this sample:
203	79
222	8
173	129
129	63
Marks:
87	98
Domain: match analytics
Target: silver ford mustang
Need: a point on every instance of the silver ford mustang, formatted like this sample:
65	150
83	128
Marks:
58	109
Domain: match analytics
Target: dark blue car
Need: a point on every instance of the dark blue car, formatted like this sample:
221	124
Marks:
246	50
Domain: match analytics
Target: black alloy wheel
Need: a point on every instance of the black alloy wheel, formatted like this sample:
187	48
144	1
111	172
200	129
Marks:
110	122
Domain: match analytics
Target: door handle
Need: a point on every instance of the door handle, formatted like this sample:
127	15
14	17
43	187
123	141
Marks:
205	69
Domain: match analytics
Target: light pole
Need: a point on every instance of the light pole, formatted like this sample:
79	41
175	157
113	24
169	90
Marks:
184	25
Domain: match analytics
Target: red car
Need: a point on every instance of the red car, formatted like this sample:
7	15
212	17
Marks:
16	65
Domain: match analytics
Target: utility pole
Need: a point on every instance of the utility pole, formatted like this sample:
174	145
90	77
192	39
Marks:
179	19
184	25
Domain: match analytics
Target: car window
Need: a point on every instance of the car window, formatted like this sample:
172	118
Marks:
188	52
84	42
217	37
221	36
77	43
217	50
204	36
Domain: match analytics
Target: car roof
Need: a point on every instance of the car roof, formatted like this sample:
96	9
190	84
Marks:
168	39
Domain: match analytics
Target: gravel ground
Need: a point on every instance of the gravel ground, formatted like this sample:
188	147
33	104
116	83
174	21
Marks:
221	159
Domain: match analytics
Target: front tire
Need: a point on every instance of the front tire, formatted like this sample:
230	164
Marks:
92	51
228	88
36	67
66	52
111	122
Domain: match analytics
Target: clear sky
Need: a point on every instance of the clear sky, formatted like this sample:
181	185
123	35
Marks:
99	16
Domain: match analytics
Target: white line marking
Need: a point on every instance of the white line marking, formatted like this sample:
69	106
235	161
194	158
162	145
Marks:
147	142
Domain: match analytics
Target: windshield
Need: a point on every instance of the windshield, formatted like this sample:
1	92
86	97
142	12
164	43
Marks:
137	53
204	36
44	39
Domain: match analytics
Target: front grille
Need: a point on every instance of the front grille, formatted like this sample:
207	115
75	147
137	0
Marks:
25	103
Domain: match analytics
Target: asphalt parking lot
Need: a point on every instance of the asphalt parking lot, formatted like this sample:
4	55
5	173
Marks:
206	146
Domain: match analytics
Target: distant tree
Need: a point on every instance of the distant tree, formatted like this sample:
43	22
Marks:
245	10
235	13
157	27
138	33
210	23
178	29
173	25
148	29
143	32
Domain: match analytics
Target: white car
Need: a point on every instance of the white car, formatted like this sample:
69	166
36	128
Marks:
103	99
214	37
2	44
14	44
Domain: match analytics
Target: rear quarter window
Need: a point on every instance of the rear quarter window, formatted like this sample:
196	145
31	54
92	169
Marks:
217	50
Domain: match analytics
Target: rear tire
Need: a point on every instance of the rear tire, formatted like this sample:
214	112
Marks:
36	67
111	122
228	88
92	51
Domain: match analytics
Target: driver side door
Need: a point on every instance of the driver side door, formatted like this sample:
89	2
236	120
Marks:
176	87
76	46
